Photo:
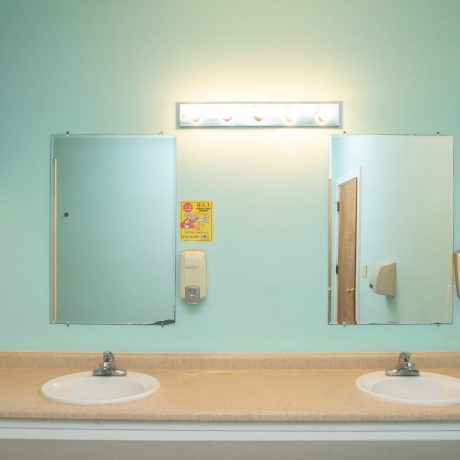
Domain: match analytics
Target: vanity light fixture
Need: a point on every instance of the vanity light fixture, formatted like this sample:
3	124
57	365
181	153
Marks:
266	114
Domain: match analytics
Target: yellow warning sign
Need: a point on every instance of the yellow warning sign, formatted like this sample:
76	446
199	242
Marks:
196	221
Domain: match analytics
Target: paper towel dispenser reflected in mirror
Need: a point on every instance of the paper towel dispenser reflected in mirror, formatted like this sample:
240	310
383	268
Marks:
457	271
383	279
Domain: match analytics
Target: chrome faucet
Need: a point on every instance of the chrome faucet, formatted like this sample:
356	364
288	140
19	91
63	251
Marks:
404	368
108	368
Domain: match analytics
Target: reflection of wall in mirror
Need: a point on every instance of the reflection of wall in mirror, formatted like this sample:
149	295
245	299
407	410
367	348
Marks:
115	229
405	216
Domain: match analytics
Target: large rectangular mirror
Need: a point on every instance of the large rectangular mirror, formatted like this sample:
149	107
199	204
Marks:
113	229
390	229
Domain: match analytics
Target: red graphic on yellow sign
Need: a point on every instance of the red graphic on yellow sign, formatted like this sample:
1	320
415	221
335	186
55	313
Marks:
196	221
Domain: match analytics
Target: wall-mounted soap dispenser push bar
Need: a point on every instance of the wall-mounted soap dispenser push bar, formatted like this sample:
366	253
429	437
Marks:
192	284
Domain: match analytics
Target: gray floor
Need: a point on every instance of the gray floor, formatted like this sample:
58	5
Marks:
140	450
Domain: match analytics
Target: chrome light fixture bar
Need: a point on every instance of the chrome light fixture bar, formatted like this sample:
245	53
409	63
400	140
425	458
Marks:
265	114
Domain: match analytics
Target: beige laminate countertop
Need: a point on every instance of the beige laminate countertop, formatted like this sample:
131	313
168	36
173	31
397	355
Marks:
316	387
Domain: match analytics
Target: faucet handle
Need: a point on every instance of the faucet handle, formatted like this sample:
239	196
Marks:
108	367
404	367
404	356
107	357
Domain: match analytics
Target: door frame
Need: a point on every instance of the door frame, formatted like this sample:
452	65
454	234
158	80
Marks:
352	174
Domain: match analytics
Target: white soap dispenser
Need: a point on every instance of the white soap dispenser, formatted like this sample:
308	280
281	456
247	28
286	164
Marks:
192	284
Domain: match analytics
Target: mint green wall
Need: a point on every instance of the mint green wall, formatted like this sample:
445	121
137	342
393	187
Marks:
120	66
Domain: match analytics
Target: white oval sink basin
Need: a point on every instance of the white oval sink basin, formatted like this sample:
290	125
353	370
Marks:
428	389
84	388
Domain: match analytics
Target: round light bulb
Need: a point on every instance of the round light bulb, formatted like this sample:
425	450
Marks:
226	117
323	117
195	119
290	117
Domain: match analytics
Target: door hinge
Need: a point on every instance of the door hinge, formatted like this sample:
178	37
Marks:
338	205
